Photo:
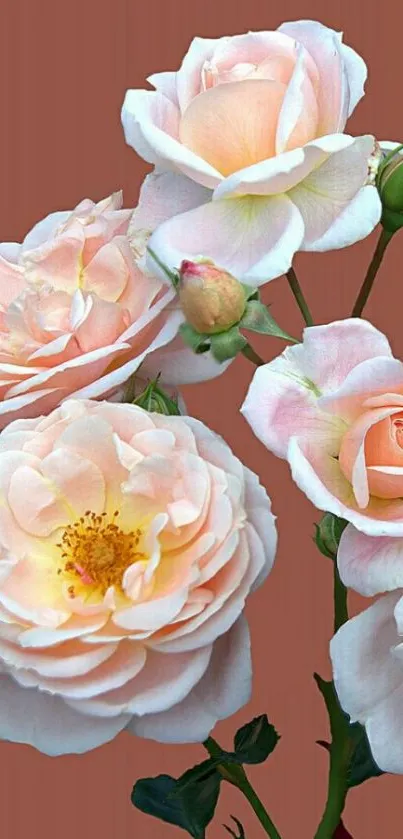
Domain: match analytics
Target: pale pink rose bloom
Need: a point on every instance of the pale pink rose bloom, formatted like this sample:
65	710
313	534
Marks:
367	658
129	543
79	313
257	118
333	406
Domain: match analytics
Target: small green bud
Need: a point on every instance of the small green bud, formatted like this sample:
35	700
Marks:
328	534
155	400
390	188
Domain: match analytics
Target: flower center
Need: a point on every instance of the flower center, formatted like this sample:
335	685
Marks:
398	424
96	552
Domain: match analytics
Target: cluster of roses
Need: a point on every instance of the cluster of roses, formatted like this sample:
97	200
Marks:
130	540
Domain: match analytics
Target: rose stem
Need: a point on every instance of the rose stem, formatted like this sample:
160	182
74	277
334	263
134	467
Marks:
298	294
341	746
251	355
373	269
236	775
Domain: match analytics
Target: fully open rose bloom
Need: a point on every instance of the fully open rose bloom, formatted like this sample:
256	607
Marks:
129	542
333	406
78	313
367	658
258	119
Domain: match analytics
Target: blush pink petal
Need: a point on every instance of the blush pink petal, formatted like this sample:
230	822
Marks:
120	664
268	55
357	219
353	455
151	126
330	188
56	263
233	125
340	95
47	722
190	74
368	675
298	117
253	238
284	398
281	403
225	687
165	83
163	195
165	681
370	564
370	378
319	475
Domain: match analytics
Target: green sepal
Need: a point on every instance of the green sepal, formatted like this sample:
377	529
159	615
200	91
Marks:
328	534
251	293
172	276
257	318
391	221
195	340
362	766
226	345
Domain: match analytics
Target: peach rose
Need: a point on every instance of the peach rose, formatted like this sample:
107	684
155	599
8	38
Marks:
79	314
333	406
257	118
129	542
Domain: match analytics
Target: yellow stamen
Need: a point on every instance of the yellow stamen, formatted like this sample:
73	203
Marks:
96	552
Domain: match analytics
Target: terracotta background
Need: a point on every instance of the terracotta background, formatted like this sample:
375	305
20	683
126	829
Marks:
64	68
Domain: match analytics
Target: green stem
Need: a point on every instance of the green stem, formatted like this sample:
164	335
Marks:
373	269
340	757
252	356
342	744
235	774
298	294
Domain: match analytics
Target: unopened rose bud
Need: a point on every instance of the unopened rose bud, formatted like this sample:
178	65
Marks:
212	300
328	534
390	187
155	400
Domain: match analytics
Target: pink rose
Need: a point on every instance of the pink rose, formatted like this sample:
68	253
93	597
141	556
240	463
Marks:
333	406
79	313
367	658
128	544
258	118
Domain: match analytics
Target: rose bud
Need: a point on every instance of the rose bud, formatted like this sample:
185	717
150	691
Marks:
390	187
212	300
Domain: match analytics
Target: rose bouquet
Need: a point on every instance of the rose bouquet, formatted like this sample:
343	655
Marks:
131	535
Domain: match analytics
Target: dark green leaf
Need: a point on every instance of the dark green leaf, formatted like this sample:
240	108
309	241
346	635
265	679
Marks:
199	802
257	318
362	765
240	834
190	806
196	774
227	344
255	741
154	797
193	339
